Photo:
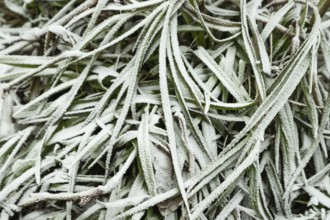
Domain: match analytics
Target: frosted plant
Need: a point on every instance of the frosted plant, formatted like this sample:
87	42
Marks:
164	109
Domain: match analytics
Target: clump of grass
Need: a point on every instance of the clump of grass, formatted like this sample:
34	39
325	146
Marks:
164	109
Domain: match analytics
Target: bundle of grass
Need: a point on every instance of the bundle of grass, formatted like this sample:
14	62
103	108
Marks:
164	109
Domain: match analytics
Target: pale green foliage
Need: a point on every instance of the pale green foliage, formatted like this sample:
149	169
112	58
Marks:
164	109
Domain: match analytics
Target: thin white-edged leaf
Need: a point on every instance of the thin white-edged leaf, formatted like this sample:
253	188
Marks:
24	60
232	204
251	51
130	201
275	19
312	108
145	153
134	6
